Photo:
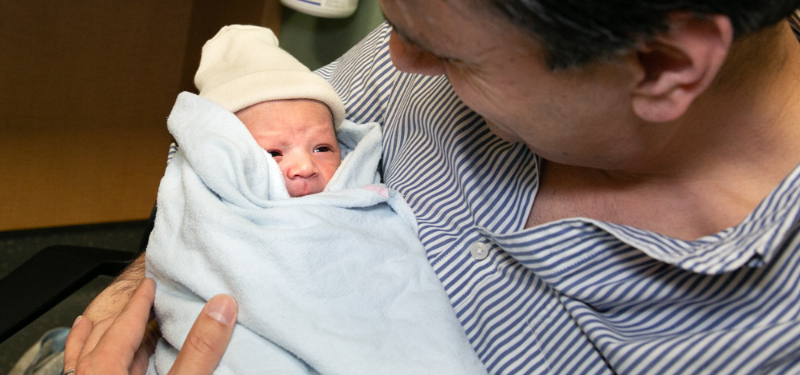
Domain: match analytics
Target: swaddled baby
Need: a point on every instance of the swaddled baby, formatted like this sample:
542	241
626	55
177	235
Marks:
275	199
291	112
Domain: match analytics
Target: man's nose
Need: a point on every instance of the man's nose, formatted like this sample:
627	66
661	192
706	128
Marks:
411	59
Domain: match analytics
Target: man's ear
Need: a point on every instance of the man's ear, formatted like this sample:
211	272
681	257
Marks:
679	64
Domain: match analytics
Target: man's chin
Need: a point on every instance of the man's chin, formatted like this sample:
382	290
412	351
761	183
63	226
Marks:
501	132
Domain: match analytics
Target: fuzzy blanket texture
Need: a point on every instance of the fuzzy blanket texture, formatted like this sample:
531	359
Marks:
329	283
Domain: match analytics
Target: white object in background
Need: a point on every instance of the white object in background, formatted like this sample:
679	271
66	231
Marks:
323	8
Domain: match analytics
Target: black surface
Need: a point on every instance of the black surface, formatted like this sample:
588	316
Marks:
18	247
49	277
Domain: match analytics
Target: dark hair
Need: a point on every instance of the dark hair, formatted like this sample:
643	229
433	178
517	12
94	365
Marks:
575	32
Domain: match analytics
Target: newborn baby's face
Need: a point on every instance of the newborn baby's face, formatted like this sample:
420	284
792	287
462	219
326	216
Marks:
299	135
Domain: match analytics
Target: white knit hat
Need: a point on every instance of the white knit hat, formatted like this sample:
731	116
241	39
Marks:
242	66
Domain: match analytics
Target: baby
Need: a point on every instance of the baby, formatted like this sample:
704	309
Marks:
275	198
291	112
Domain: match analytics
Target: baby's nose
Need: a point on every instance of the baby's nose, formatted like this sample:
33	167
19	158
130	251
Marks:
302	168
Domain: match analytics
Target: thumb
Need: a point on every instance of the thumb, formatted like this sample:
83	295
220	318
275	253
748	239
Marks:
208	338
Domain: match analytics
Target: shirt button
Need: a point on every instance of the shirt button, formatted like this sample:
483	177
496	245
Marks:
479	250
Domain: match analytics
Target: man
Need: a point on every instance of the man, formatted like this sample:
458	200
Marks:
642	215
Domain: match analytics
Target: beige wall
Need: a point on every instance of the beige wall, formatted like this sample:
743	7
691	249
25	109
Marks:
85	88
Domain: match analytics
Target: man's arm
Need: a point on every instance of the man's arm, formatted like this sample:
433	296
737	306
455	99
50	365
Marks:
111	300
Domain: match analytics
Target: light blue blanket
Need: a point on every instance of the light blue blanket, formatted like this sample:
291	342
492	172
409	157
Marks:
330	283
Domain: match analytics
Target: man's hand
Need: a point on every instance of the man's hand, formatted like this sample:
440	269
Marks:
118	350
102	312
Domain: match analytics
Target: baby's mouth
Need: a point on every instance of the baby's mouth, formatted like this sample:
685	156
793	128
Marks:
300	188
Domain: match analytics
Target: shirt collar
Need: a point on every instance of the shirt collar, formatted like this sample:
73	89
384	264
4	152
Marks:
753	242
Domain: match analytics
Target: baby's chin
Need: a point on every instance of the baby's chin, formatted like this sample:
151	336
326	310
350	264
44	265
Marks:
303	188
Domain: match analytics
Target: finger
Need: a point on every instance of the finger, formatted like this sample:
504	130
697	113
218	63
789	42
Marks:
140	362
98	330
208	338
81	329
146	349
124	336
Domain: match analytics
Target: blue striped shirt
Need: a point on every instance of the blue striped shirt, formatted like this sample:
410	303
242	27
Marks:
575	296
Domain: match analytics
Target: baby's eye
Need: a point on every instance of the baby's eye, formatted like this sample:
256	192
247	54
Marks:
275	154
322	149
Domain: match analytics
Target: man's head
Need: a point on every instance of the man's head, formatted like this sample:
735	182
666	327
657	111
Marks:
292	112
618	104
576	33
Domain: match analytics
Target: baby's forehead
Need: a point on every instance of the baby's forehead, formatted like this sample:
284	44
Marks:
289	109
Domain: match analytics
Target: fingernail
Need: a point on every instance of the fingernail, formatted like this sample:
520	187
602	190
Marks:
77	320
222	309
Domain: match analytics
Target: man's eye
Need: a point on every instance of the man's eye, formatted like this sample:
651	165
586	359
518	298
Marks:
450	60
322	149
275	154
